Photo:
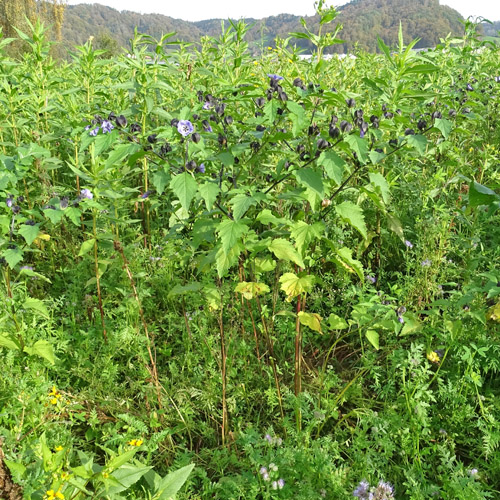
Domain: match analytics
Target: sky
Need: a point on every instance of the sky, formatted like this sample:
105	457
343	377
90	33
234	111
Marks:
197	10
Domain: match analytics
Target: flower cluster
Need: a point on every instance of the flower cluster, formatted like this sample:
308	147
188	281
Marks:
105	125
267	473
135	442
383	491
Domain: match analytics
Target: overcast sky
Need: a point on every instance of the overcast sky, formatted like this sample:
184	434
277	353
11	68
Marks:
197	10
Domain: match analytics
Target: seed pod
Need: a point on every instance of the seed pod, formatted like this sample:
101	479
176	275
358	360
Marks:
260	128
222	140
393	142
121	121
409	131
334	119
280	111
196	137
322	143
135	128
422	125
300	148
345	126
388	115
196	117
152	138
191	165
228	120
298	82
260	101
326	203
350	103
436	114
313	129
452	113
374	118
111	116
358	113
333	132
220	108
174	122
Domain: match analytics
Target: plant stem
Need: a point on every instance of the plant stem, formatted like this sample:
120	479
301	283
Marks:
97	277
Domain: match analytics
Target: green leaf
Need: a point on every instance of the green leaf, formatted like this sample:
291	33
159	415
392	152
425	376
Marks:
36	305
344	259
184	187
54	216
297	116
118	461
284	250
184	289
209	192
310	179
13	256
266	217
241	203
86	247
29	233
250	289
120	152
353	215
172	483
73	214
359	146
312	320
230	231
373	338
336	322
16	469
43	349
417	141
333	164
160	180
226	259
481	195
264	264
126	476
304	233
104	141
379	182
443	125
294	285
9	341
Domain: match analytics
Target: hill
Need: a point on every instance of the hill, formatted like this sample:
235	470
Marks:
362	20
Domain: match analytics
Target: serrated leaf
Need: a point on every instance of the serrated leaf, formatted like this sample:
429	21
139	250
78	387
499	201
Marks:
54	216
358	146
104	141
336	322
266	217
160	180
310	179
86	247
344	258
264	264
120	152
241	203
379	182
43	349
36	305
209	192
444	126
304	233
333	164
13	256
224	260
29	233
297	116
284	250
294	285
250	289
184	187
230	231
353	215
312	320
417	141
373	338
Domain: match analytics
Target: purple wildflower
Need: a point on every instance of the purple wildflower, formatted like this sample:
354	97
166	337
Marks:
275	77
107	126
26	268
93	133
207	105
146	194
371	279
281	483
86	193
185	127
263	470
275	485
384	491
409	244
201	168
473	472
497	79
362	491
9	201
426	263
265	476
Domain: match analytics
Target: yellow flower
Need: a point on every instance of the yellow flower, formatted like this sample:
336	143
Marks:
64	476
105	475
269	48
52	495
433	357
256	63
135	442
59	448
54	391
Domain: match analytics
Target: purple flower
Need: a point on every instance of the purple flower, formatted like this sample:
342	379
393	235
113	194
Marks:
275	485
201	168
146	194
107	126
263	470
275	77
383	491
26	268
497	79
362	490
185	127
281	483
9	201
265	476
85	193
426	263
206	126
371	279
207	105
473	472
93	133
409	244
268	438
